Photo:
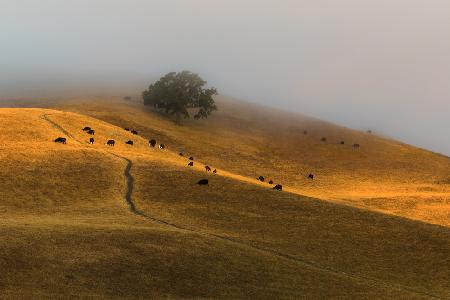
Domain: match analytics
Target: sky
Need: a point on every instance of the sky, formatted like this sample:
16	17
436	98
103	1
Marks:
374	64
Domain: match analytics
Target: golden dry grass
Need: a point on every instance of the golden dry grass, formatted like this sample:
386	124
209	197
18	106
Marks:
67	230
382	175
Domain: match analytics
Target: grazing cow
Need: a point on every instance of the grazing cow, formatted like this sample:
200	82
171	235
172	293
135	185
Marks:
278	187
342	142
271	181
191	164
129	143
61	140
355	145
91	132
260	178
162	146
91	141
180	154
311	176
215	171
191	158
127	129
208	169
324	139
203	182
152	143
134	132
86	128
305	132
111	143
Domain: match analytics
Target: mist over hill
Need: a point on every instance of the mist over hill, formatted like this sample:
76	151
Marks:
33	84
22	86
363	64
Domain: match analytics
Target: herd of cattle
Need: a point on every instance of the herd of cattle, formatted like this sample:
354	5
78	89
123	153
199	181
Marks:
111	143
191	164
152	143
324	139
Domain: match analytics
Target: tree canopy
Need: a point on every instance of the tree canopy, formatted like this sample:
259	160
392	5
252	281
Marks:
179	93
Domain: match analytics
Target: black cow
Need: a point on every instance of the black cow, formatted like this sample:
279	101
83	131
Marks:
152	143
271	181
129	143
111	143
324	139
278	187
61	140
191	158
305	132
127	129
134	132
191	164
91	141
355	145
91	132
342	142
162	146
215	171
86	128
203	182
311	176
208	169
261	178
180	154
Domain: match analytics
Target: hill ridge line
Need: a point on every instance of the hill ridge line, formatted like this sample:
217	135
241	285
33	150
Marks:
312	265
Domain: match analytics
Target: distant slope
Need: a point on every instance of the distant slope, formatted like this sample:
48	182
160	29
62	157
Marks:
67	228
382	175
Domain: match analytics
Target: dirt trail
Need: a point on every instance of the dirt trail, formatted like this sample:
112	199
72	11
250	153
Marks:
57	126
310	264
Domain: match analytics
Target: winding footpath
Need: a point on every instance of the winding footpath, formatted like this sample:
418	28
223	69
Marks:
309	264
57	126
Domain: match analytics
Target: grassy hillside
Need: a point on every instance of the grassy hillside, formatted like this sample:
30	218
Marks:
382	175
92	221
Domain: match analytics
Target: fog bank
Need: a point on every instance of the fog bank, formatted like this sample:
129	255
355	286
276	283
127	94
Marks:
375	64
